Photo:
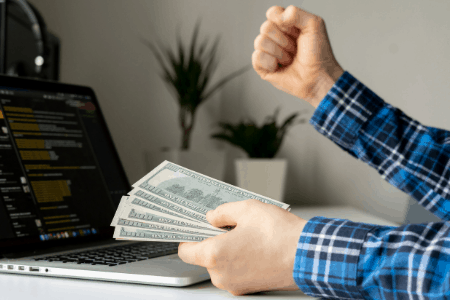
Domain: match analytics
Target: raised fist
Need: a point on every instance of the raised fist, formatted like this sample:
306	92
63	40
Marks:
294	54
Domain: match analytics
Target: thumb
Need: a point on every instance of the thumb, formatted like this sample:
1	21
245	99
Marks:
228	214
222	216
232	213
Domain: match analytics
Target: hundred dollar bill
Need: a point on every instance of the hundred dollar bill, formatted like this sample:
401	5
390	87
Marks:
159	227
185	213
128	233
127	201
142	204
122	205
132	212
193	190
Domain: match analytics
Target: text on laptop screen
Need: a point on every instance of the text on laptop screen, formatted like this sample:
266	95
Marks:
58	175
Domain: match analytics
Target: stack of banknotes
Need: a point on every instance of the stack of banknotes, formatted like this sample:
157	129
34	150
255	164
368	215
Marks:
170	203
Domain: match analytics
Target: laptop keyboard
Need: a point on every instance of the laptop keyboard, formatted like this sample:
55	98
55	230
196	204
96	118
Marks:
117	255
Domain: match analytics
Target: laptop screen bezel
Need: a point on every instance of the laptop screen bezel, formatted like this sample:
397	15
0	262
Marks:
30	244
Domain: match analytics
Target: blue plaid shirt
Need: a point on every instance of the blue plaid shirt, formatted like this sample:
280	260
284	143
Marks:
341	259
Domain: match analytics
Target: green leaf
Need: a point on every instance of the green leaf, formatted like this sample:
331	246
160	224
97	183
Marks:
158	57
258	141
189	74
211	64
202	48
166	75
288	121
180	48
274	117
231	139
226	79
193	43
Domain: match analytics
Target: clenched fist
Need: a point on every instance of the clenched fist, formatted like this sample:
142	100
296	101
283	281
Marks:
293	53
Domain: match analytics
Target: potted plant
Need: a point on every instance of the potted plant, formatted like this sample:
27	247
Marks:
260	173
189	78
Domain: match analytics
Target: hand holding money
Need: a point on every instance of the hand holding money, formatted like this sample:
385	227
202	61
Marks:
258	255
170	203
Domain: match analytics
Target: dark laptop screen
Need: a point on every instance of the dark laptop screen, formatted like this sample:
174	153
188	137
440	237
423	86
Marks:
60	176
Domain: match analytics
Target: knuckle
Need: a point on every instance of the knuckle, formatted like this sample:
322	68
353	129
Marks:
291	7
290	10
319	20
255	56
236	292
263	62
217	282
266	27
290	13
211	260
258	42
273	9
234	288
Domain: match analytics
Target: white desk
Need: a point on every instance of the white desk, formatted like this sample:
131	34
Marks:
22	287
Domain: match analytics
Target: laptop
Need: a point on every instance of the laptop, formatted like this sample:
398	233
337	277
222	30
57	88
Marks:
61	181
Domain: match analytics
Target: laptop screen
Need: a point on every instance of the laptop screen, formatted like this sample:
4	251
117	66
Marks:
60	175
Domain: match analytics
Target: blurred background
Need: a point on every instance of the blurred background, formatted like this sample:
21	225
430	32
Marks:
398	49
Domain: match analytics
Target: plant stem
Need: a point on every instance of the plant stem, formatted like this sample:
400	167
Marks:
186	136
187	118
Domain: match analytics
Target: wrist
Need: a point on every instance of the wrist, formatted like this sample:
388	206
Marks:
292	237
325	82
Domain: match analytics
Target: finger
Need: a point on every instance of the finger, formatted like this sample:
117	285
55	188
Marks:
192	253
265	44
204	253
274	14
294	16
229	214
271	30
264	63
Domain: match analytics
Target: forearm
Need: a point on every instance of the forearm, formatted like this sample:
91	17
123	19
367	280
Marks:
410	156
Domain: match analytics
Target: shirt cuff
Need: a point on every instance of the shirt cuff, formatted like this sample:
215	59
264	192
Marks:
348	105
327	255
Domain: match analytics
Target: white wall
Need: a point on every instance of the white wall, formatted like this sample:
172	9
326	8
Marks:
398	49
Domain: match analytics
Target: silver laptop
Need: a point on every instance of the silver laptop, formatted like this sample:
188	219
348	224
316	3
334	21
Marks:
60	183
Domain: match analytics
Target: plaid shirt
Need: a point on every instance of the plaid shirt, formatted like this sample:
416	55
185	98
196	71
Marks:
340	259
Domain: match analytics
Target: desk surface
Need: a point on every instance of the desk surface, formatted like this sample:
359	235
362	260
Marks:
21	287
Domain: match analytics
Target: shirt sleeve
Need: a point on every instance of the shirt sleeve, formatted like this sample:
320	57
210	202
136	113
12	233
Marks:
341	259
410	156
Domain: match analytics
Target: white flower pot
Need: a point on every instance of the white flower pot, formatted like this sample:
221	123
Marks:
210	163
262	176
